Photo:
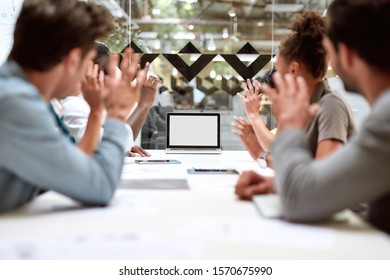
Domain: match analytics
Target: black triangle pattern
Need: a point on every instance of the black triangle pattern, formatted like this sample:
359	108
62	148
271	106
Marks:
189	72
247	49
246	72
189	48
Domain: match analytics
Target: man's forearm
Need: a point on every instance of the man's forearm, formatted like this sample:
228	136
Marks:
91	137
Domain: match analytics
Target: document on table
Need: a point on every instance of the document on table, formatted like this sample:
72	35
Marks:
136	176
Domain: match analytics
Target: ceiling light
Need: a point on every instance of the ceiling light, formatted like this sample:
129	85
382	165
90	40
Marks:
157	45
156	12
211	45
213	74
260	24
225	33
232	13
284	8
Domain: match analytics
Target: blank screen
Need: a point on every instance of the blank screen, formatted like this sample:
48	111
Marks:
193	130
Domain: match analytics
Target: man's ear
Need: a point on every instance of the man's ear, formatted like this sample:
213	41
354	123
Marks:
72	60
295	68
346	56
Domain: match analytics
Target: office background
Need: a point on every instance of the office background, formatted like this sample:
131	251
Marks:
202	50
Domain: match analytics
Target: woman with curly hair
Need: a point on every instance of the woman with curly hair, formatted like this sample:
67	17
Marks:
301	54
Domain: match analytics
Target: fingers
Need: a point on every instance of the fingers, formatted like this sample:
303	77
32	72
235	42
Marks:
248	183
243	99
280	83
237	125
130	64
238	133
146	68
89	69
313	109
257	88
291	85
302	88
248	178
138	150
152	81
241	121
141	77
245	88
112	79
250	87
101	79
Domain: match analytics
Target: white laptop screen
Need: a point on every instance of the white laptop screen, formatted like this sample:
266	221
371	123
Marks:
193	130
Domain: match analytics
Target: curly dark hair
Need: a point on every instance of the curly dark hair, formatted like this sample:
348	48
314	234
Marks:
304	44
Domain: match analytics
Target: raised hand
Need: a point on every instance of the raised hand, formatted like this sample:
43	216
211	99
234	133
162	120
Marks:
123	93
93	87
148	93
252	100
130	65
290	102
244	130
250	183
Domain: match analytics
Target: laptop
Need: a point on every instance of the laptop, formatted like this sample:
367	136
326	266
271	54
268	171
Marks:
193	133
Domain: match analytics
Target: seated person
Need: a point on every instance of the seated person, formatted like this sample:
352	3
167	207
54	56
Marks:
312	191
34	156
81	109
333	125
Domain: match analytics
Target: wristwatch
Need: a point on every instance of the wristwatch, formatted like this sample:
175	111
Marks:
262	160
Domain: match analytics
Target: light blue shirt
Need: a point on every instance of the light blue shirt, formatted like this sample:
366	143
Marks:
34	156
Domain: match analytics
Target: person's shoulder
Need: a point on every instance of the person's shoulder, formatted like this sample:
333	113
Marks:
333	102
16	87
14	84
333	97
383	100
380	108
75	103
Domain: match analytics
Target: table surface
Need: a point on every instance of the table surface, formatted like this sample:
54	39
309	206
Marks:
204	221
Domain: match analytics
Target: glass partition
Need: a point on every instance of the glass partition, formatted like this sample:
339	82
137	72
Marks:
202	51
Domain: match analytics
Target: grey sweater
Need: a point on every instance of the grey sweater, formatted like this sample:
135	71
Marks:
34	156
312	191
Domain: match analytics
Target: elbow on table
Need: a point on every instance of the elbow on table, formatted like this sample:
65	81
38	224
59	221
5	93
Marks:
303	213
102	199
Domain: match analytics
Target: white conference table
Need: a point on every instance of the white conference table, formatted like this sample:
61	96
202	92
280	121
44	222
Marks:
204	221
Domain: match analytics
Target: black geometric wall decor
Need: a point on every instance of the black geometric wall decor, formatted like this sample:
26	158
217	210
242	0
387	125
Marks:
247	72
191	71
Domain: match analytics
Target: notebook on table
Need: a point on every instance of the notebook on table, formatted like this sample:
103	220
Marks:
193	133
